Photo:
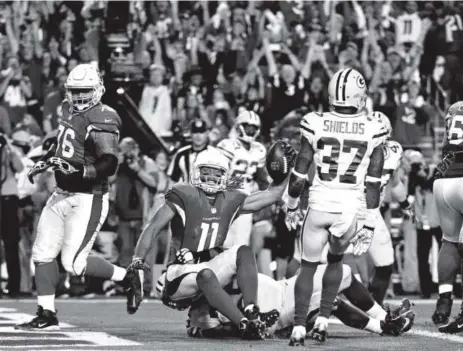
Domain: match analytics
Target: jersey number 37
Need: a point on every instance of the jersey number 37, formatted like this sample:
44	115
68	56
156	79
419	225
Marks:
338	148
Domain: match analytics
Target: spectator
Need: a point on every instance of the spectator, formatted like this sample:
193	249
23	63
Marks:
155	104
11	163
181	166
136	172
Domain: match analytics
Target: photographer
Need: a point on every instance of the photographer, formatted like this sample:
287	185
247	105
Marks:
11	164
136	172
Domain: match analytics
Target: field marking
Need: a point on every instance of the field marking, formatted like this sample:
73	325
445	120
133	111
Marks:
436	335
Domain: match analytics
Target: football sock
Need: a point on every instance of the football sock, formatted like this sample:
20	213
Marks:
358	295
209	285
246	275
353	316
303	291
99	267
46	278
373	326
330	286
380	282
377	312
448	264
47	302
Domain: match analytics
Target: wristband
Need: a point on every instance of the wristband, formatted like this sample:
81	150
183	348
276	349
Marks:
370	217
292	203
404	204
89	172
299	175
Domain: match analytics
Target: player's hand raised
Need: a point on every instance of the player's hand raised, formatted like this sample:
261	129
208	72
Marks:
60	165
38	168
362	240
184	256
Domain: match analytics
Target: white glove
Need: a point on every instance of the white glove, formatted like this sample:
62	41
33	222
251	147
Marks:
293	216
362	240
184	256
63	166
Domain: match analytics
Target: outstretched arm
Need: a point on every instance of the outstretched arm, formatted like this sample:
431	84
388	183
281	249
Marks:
261	199
160	220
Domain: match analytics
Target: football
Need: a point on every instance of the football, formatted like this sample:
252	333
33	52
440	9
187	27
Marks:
280	158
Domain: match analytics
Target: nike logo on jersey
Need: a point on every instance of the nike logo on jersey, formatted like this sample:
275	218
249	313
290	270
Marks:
107	120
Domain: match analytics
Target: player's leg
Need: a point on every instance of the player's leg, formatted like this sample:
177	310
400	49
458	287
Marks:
342	229
239	232
448	263
382	253
47	246
88	213
313	239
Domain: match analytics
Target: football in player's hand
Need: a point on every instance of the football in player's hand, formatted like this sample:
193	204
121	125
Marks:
280	160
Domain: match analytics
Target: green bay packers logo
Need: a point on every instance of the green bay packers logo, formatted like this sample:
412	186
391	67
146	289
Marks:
360	82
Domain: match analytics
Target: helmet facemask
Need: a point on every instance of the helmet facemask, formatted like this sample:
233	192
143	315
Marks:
210	178
82	99
247	132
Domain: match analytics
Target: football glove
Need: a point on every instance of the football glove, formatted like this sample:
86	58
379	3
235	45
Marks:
290	152
293	217
409	213
38	168
362	240
136	279
60	165
184	256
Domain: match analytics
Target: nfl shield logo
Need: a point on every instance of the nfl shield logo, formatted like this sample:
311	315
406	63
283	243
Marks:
213	210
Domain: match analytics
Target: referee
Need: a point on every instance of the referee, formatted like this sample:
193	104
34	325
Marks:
182	162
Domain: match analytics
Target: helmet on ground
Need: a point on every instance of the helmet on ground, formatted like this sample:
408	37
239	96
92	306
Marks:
84	87
247	126
210	171
347	88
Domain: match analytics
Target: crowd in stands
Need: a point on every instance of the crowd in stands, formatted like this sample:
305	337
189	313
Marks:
206	60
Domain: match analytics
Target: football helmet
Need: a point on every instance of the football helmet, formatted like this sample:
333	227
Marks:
84	87
210	171
384	121
247	126
347	88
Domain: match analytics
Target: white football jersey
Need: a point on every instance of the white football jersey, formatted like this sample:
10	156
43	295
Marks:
393	153
342	148
243	162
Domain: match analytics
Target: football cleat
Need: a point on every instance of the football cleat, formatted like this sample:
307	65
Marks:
443	309
319	331
252	329
297	336
403	308
269	318
44	320
133	288
455	326
409	321
251	312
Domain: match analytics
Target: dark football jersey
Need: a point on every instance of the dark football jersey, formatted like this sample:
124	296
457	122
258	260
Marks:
75	146
452	146
199	223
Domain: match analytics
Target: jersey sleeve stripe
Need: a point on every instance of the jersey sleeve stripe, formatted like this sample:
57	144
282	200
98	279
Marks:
225	152
380	135
304	125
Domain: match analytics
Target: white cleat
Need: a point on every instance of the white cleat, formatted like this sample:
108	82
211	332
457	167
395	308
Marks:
297	336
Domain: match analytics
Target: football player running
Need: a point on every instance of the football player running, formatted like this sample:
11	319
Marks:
247	162
381	250
346	146
449	200
362	313
83	158
200	215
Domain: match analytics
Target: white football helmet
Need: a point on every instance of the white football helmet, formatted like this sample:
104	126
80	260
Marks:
247	126
384	121
84	87
347	88
204	174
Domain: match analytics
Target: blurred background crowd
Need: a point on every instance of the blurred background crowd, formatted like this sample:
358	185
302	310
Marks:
179	72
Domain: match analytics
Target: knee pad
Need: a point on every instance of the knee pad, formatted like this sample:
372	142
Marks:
332	258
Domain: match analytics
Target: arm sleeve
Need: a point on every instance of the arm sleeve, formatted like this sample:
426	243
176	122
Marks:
106	150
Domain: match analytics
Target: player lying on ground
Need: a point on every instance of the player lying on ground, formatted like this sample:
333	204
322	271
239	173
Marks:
83	157
200	215
362	313
346	147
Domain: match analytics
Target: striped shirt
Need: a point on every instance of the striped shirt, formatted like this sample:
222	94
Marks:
182	163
